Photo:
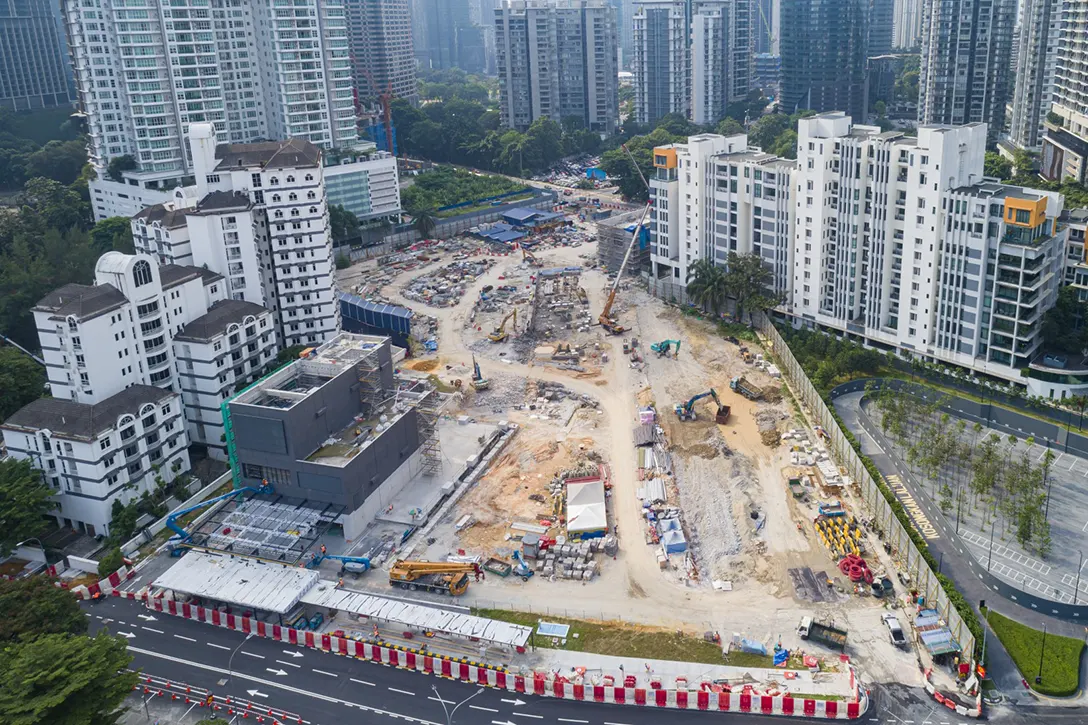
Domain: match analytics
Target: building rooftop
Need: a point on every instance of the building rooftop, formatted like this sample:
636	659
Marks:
218	318
167	217
997	190
222	201
82	301
294	152
81	421
174	274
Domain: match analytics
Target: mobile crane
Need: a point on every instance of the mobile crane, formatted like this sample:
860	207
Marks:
178	544
442	577
606	320
479	382
686	411
500	332
665	346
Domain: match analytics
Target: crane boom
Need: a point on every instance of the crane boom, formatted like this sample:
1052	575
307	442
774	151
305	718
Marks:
606	314
183	536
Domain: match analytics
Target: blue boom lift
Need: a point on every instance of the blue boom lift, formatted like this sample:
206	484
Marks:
178	543
351	564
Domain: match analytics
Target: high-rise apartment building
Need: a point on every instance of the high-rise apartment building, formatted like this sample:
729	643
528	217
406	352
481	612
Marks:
145	71
446	37
906	24
34	66
824	50
765	26
1065	147
692	57
1040	32
896	240
966	52
382	54
881	27
557	59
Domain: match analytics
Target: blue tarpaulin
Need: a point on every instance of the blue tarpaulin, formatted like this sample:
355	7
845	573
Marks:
780	657
752	647
375	318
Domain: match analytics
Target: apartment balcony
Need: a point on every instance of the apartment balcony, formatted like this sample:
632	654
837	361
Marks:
1002	325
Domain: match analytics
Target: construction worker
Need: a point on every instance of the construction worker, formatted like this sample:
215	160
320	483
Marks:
323	550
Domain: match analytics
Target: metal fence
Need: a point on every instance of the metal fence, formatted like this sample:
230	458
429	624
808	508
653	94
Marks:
904	551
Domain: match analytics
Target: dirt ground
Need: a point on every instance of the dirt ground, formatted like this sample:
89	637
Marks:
772	569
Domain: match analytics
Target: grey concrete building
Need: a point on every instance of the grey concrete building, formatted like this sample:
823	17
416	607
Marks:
966	52
558	59
382	51
1040	31
1065	148
335	427
824	49
35	71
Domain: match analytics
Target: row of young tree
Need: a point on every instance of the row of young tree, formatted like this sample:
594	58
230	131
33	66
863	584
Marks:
969	471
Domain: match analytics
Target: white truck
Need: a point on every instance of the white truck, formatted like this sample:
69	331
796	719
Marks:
895	631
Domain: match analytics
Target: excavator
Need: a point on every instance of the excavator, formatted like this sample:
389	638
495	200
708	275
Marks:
665	346
529	258
686	411
355	565
179	544
441	577
606	320
500	332
479	382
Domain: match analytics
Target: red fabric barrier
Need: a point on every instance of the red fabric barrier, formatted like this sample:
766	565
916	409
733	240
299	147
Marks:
598	693
216	617
410	660
277	632
326	642
519	684
745	702
538	685
358	649
462	672
201	613
292	636
724	700
853	710
262	629
500	680
702	700
809	708
230	621
682	699
579	692
619	695
559	689
766	704
187	610
831	709
640	696
481	675
247	625
428	664
173	607
309	638
394	657
376	654
661	698
787	705
447	668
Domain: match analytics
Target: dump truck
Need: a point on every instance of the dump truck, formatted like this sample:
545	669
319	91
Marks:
796	488
822	632
745	388
441	577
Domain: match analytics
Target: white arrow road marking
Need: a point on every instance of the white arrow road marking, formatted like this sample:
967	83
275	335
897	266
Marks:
486	709
515	703
285	687
403	692
289	664
256	693
281	673
187	639
146	617
292	653
127	635
217	646
156	631
323	672
250	654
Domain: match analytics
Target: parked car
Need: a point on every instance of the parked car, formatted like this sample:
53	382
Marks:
895	631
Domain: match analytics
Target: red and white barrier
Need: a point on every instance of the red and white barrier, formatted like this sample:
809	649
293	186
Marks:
950	702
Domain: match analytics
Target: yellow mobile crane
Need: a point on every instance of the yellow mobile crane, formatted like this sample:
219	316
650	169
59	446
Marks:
442	577
500	332
608	322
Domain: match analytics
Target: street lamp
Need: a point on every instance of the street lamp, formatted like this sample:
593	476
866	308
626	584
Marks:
231	660
449	713
41	546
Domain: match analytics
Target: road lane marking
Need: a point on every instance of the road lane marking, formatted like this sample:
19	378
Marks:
156	631
362	682
614	723
445	702
323	672
403	692
564	719
187	639
491	709
250	654
526	714
289	664
217	646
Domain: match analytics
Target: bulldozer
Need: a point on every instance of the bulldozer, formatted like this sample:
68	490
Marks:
441	577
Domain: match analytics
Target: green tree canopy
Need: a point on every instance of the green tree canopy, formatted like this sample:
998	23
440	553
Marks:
425	224
62	679
24	502
707	286
1063	324
344	224
118	165
730	127
997	166
35	606
749	281
21	380
60	161
113	234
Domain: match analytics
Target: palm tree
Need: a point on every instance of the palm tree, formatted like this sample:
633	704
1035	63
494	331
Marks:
707	286
425	224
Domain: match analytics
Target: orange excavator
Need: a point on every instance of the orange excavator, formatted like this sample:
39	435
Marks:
441	577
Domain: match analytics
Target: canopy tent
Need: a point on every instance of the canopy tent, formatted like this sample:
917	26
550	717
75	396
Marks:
935	634
586	514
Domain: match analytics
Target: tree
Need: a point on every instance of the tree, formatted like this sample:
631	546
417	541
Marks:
35	606
748	279
707	286
1063	324
60	161
730	127
58	206
767	129
22	380
24	502
62	679
112	234
123	518
425	224
110	562
343	223
120	164
997	166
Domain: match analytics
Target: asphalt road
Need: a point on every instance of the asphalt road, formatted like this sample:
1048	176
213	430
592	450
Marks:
326	689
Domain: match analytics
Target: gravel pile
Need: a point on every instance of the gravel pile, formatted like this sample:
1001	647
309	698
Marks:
708	489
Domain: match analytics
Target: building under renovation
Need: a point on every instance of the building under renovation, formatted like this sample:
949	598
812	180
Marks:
614	234
336	428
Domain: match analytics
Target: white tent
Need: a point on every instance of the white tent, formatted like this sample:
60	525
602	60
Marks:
585	508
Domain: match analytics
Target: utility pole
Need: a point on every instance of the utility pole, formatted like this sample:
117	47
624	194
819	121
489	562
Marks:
1042	651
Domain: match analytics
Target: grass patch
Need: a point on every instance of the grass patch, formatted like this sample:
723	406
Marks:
480	207
1061	663
623	640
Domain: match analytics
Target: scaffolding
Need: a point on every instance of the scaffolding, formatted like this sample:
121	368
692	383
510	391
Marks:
428	409
369	373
